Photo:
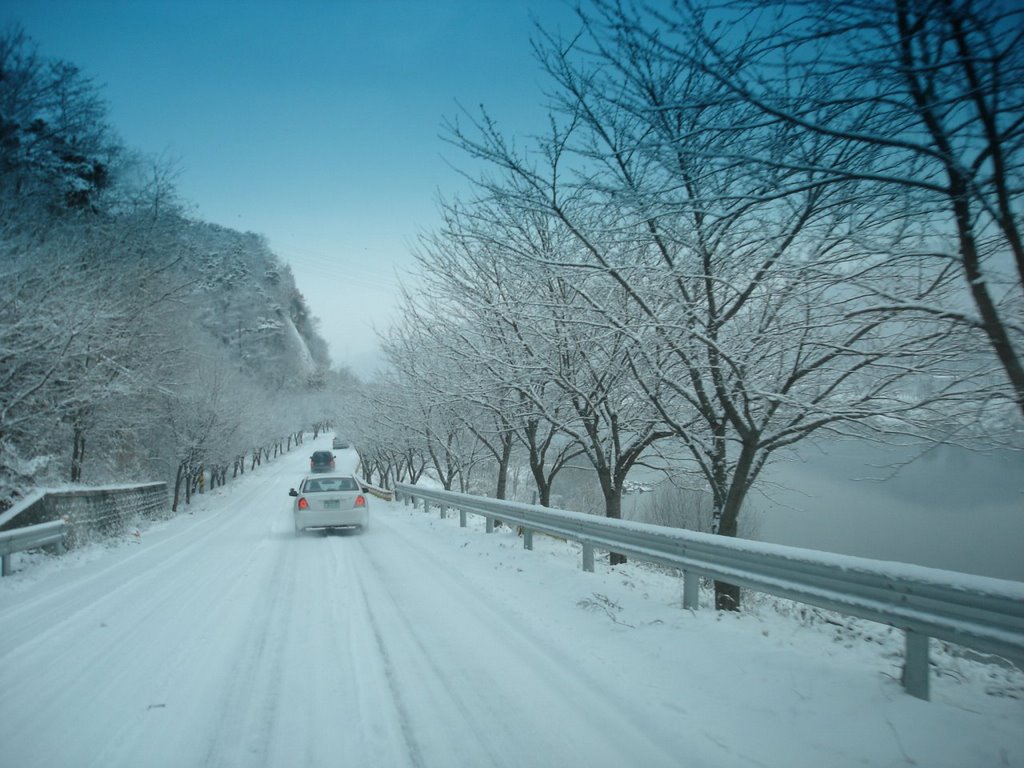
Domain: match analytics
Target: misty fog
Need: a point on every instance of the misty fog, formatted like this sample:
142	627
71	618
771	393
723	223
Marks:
950	508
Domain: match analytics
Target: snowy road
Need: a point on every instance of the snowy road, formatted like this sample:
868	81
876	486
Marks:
230	642
222	640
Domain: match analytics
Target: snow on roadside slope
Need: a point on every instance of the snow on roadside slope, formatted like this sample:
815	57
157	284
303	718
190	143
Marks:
778	685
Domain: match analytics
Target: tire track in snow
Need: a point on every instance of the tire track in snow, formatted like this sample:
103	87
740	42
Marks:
405	722
384	720
551	679
404	639
248	707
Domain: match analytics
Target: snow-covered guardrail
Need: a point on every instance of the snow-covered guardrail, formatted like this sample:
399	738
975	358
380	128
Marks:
81	512
30	537
981	613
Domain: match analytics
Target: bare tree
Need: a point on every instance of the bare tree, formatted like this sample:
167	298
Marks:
752	314
924	102
528	333
201	421
471	300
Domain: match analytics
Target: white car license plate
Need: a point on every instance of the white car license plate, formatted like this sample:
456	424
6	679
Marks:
332	504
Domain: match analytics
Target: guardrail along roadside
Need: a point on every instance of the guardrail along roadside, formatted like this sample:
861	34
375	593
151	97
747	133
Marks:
68	518
980	613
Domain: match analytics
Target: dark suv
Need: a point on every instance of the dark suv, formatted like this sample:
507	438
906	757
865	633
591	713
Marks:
321	461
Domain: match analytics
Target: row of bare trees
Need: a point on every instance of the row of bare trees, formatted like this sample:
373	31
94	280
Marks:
745	226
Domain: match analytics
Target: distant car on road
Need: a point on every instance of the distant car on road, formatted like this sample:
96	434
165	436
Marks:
321	461
330	501
340	445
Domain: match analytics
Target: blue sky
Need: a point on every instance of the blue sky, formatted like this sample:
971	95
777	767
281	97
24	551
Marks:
316	124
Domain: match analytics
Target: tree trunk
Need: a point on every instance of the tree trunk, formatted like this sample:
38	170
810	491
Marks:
991	322
727	596
77	453
539	478
612	508
177	486
544	495
503	462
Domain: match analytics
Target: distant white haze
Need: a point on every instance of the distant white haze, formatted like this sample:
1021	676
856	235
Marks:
951	508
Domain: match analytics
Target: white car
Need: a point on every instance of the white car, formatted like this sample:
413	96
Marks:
325	501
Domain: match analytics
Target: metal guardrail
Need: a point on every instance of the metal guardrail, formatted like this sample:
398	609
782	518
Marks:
977	612
30	537
376	490
82	513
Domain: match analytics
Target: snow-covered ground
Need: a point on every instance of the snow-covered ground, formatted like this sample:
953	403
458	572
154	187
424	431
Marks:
219	639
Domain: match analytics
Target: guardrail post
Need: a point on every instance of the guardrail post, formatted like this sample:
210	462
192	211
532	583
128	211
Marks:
527	538
426	504
462	518
405	498
444	511
915	665
490	525
588	557
691	590
5	569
